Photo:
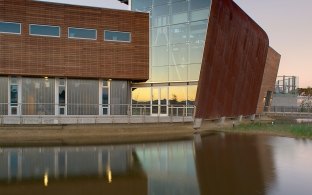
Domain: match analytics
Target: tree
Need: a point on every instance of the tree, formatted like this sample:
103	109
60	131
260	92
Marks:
305	91
306	103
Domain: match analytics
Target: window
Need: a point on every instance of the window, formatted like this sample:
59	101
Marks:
82	33
105	98
117	36
10	28
44	30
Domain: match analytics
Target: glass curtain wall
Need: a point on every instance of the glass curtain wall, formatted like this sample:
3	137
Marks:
178	32
82	97
153	100
4	95
38	96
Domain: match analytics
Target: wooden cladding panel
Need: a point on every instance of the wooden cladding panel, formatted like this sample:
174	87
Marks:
49	56
233	63
269	77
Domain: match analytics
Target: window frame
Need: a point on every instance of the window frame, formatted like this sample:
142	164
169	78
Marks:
20	28
130	36
40	35
79	28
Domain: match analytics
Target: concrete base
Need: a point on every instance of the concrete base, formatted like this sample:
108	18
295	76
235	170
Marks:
222	120
240	119
253	117
197	123
69	120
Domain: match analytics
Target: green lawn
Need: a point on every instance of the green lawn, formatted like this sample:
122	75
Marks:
285	129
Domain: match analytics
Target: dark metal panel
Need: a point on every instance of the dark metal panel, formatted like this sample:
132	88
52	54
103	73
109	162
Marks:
233	63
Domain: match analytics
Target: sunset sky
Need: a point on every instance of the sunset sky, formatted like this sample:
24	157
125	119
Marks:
289	26
287	22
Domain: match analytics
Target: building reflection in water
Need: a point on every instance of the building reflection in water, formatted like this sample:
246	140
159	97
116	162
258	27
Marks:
215	164
234	164
71	170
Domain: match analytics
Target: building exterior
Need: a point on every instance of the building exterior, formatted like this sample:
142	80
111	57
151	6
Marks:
60	59
207	53
202	58
285	96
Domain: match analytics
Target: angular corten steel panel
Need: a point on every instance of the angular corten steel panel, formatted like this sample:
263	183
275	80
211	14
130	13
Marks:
233	63
46	56
269	78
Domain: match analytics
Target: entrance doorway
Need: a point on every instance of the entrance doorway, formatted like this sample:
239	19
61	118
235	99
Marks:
159	101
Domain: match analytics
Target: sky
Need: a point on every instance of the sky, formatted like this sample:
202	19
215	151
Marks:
288	24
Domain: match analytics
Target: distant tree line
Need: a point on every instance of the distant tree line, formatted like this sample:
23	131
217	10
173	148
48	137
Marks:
305	91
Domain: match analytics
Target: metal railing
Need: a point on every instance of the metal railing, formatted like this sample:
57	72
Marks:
297	109
48	109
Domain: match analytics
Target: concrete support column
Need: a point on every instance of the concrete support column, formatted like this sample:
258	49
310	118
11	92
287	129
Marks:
240	118
197	123
253	117
222	120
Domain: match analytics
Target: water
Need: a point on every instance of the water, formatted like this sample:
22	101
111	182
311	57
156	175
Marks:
217	164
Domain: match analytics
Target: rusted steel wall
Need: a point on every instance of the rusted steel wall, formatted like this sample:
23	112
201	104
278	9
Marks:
49	56
269	77
233	63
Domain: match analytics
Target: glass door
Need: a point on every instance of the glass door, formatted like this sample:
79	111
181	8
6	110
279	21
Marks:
159	101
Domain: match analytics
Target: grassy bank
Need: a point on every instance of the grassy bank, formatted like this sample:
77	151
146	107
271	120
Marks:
281	129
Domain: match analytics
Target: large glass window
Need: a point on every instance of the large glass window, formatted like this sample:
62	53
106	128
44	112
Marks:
179	26
177	95
141	98
160	15
196	53
191	94
105	98
160	36
38	96
117	36
4	96
200	9
163	52
178	33
82	33
160	74
198	32
62	96
199	4
44	30
179	54
82	97
178	73
177	99
10	27
141	5
199	14
14	96
159	2
193	72
179	12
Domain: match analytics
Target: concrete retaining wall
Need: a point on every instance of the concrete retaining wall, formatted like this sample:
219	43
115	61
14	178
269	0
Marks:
54	120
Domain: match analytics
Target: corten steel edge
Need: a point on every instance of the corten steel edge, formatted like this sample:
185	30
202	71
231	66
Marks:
233	63
28	55
269	78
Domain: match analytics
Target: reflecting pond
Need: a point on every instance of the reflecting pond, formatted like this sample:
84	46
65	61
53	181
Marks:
229	164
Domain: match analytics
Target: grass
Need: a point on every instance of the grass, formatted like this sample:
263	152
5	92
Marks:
282	129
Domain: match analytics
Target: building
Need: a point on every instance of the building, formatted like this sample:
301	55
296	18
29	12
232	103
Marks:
69	60
207	53
164	58
285	97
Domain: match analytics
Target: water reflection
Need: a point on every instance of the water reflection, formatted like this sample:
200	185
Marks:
215	164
